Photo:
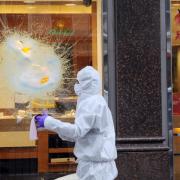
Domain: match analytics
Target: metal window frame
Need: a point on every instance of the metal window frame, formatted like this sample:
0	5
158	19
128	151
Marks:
111	59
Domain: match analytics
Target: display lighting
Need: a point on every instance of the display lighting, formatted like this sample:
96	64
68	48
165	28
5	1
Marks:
71	4
29	1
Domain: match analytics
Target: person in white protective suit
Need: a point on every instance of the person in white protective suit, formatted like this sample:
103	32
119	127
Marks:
93	130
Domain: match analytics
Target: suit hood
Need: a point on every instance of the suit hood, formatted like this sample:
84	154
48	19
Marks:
89	81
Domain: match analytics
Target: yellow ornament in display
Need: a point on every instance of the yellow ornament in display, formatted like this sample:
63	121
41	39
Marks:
44	80
26	49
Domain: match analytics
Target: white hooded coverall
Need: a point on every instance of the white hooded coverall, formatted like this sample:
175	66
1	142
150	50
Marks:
92	132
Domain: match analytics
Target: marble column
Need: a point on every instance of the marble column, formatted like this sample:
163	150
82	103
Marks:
140	90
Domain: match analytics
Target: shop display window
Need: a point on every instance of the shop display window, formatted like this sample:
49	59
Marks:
175	41
43	44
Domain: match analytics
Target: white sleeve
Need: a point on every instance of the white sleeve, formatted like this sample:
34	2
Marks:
68	131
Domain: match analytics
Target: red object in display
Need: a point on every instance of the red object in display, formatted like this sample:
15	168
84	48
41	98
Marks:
177	35
176	103
177	18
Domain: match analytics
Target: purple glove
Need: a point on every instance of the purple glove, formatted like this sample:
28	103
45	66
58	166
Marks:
39	120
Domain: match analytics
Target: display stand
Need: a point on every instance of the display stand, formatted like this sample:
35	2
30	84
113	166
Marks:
44	165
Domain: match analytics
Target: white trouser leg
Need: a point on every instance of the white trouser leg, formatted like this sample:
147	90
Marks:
68	177
96	170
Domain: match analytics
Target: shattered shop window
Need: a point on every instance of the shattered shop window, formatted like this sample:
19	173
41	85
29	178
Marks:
43	44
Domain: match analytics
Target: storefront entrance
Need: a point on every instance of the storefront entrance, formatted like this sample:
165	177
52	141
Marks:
175	88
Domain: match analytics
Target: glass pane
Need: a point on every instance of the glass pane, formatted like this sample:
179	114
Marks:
43	44
105	48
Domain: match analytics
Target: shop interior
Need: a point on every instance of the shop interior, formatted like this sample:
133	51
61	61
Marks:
71	33
175	42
